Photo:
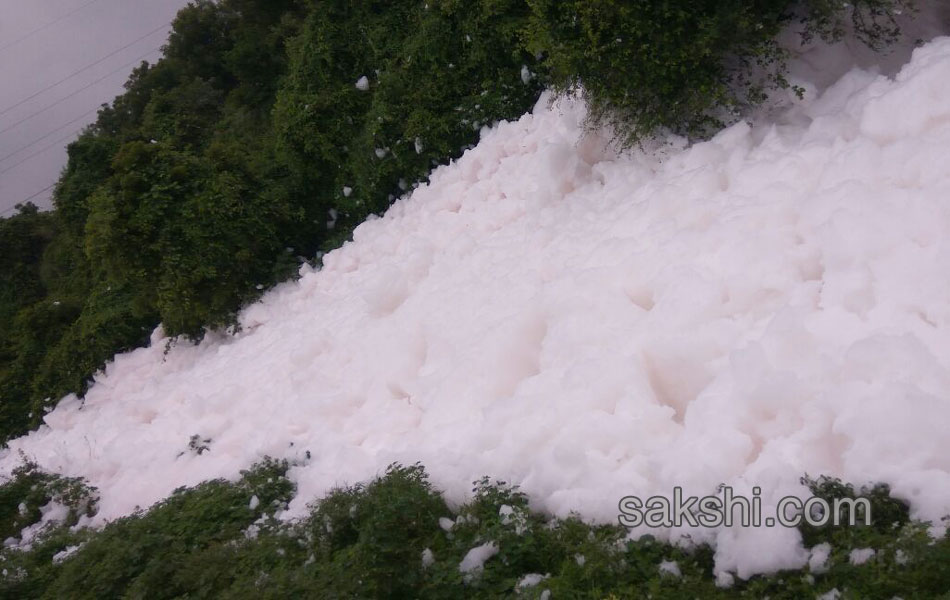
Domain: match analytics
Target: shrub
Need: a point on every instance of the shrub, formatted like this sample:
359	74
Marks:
367	541
161	553
30	489
688	66
436	73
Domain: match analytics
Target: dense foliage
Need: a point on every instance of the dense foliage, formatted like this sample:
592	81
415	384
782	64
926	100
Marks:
687	66
434	75
271	128
397	538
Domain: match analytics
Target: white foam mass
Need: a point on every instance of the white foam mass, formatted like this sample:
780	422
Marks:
590	325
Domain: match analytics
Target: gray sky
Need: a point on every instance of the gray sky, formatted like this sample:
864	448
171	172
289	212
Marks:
42	42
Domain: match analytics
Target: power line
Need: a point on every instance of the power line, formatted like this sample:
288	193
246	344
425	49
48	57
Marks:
82	89
84	69
36	141
41	151
46	26
27	199
46	189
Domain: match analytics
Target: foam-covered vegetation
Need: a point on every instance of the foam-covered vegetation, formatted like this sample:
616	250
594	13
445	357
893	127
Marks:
581	321
588	324
396	537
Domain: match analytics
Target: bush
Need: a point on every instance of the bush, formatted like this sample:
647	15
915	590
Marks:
30	489
159	554
436	72
687	66
368	541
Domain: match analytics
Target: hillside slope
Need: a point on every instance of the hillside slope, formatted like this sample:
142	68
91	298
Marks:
590	324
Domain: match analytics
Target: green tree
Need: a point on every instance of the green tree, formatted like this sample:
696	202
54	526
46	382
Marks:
687	66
